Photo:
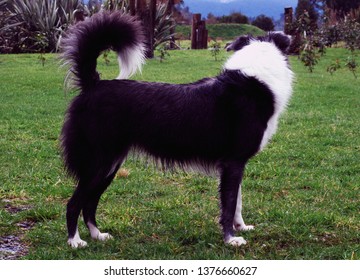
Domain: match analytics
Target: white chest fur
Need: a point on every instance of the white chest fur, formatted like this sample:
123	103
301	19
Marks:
263	61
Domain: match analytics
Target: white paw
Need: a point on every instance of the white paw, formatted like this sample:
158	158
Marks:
244	227
77	243
235	241
103	236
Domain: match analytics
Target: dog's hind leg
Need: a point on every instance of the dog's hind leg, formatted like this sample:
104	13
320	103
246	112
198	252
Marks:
230	180
94	194
239	223
86	198
74	207
90	206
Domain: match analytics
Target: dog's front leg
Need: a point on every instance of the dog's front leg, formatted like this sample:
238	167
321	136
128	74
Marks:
230	180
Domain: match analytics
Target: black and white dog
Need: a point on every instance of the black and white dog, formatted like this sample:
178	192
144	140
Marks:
217	123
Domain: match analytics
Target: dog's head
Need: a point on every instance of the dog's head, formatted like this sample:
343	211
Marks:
239	43
279	39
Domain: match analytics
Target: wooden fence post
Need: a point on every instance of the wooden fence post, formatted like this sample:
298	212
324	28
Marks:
288	20
199	34
196	19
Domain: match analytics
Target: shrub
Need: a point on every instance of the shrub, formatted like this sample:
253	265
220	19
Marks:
36	25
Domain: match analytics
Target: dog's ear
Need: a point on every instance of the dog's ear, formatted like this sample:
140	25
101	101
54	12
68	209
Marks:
239	43
281	40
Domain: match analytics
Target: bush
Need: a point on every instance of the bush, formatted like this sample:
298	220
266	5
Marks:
35	25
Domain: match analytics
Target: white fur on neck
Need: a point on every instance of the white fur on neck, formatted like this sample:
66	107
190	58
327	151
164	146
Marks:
131	60
265	62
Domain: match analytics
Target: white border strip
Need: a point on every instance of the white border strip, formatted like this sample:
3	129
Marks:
195	269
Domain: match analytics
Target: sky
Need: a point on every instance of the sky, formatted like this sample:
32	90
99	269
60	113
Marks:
251	8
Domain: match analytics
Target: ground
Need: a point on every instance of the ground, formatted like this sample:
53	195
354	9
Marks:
301	192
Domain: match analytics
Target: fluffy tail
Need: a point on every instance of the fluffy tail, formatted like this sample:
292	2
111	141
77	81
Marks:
86	40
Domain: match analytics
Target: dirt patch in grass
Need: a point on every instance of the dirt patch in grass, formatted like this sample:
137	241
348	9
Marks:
12	246
16	209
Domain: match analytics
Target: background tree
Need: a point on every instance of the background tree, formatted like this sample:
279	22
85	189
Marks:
263	22
235	17
182	14
211	19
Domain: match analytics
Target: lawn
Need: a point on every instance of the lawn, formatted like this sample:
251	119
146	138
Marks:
301	192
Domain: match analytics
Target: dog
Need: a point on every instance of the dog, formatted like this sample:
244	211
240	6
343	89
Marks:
217	123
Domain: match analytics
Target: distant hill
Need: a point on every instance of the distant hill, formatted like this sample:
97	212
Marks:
250	8
223	31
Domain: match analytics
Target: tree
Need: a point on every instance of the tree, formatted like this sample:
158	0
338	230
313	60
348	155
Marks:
182	14
339	8
263	22
235	17
343	7
211	19
307	7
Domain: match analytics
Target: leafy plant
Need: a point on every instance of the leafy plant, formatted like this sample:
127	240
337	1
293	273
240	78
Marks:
334	67
36	25
163	52
309	51
351	64
41	42
114	5
164	24
309	57
215	49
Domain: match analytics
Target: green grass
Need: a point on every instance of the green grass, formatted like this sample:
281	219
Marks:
222	31
301	192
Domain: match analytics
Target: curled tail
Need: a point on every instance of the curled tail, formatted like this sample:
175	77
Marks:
86	40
